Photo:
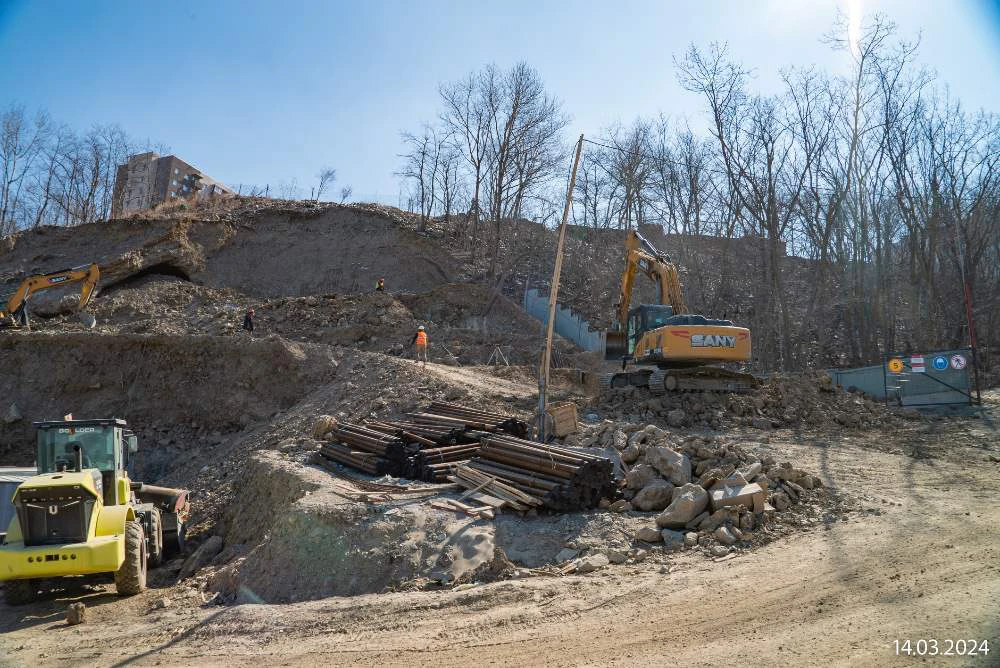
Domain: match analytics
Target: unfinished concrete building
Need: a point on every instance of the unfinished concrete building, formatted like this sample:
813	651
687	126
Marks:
147	180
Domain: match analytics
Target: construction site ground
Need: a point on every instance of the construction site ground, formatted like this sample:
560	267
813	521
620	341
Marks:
293	564
919	560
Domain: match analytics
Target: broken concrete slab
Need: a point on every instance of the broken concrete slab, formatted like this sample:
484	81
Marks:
724	495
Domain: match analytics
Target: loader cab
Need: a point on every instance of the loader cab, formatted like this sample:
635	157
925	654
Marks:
106	445
644	318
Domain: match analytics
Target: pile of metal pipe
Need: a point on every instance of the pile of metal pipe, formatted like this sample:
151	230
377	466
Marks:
428	445
561	478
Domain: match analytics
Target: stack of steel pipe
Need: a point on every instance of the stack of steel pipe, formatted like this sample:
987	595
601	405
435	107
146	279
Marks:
363	461
563	479
444	413
428	445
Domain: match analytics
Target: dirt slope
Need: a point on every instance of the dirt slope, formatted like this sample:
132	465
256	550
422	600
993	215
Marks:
272	252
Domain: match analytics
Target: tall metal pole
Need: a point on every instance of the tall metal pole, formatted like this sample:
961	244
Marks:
543	371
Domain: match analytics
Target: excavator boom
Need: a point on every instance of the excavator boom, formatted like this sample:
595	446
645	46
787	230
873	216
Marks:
16	307
641	255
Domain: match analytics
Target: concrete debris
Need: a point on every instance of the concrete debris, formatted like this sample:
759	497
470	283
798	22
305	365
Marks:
727	493
654	496
620	506
640	476
676	417
672	540
648	535
616	556
591	563
76	613
566	554
724	535
688	501
719	551
671	464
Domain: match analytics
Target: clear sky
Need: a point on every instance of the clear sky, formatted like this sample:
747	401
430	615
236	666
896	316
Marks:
263	92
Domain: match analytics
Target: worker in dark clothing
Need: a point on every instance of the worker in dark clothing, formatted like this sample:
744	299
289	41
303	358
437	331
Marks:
380	286
248	322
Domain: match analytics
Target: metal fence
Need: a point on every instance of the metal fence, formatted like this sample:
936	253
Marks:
937	378
568	324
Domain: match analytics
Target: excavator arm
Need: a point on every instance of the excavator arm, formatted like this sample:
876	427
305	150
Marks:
88	275
641	255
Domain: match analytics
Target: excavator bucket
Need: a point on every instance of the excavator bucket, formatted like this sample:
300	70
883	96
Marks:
615	346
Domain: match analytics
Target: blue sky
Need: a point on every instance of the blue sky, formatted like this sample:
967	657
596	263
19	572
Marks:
264	92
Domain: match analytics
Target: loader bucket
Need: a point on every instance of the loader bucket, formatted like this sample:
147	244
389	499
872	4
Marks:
615	346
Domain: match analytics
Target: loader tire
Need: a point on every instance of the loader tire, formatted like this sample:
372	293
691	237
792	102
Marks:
155	538
20	592
130	579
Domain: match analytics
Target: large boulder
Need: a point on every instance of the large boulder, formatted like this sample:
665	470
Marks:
640	476
673	465
688	502
654	496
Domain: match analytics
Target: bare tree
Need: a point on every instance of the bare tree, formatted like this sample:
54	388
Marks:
421	165
325	178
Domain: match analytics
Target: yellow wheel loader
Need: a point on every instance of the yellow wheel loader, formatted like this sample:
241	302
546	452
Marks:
82	515
16	312
672	349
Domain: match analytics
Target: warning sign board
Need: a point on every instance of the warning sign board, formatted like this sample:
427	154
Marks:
917	364
940	363
958	362
895	365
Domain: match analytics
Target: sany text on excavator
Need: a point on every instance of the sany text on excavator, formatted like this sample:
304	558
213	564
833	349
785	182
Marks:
15	314
677	348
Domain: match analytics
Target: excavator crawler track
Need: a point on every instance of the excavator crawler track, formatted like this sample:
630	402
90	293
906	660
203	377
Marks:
669	381
656	382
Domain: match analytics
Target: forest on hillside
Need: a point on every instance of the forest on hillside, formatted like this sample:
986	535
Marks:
882	180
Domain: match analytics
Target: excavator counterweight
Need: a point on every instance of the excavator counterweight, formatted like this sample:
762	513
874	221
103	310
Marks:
672	348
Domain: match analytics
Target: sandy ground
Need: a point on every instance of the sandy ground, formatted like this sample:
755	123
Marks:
921	561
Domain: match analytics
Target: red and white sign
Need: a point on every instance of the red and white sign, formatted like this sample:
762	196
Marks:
958	362
917	364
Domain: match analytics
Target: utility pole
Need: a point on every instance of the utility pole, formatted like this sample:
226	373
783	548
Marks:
543	371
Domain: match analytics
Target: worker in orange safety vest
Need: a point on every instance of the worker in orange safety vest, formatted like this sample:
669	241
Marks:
420	343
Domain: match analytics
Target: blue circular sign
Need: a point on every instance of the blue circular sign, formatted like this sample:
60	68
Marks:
940	363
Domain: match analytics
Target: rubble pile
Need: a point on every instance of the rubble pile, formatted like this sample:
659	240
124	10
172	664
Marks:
800	400
705	492
428	446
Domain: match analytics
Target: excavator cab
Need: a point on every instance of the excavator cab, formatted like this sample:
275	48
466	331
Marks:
643	319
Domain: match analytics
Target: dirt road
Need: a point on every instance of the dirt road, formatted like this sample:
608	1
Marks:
922	560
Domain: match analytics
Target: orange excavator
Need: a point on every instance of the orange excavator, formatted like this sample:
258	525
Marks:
16	312
671	348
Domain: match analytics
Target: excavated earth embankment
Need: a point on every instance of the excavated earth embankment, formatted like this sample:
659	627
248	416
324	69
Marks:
176	391
269	253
